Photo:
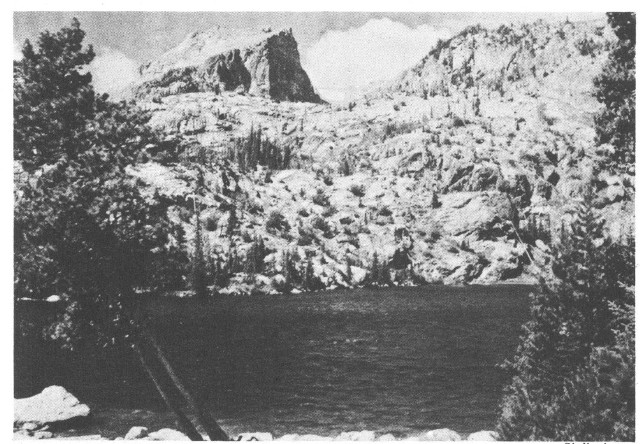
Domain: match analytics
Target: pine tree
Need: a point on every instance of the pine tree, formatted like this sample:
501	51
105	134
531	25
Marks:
286	270
374	271
435	202
349	271
255	257
385	274
232	222
82	226
309	283
198	270
53	98
616	88
574	318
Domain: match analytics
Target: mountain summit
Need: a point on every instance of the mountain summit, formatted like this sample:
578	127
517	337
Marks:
264	63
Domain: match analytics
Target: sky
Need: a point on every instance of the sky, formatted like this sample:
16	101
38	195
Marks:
343	52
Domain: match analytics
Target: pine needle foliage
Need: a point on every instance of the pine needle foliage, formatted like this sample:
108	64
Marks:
572	375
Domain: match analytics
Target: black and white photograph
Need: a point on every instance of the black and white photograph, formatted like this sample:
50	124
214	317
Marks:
322	225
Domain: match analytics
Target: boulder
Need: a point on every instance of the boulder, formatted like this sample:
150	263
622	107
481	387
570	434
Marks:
55	405
255	436
296	437
137	433
30	426
386	437
364	435
483	435
167	435
439	435
42	434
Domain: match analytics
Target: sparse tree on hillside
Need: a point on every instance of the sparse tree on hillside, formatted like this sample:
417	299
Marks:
349	271
232	222
255	257
374	270
254	150
198	266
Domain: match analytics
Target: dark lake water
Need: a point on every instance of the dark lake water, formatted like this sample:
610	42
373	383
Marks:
393	360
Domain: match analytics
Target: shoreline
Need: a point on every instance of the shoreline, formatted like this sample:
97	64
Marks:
521	281
56	414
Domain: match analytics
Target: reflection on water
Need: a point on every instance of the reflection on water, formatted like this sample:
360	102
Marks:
396	360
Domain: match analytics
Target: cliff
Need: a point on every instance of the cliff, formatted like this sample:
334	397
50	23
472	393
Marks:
265	64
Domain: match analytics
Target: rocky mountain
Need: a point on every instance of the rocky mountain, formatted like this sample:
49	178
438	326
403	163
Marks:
460	171
265	64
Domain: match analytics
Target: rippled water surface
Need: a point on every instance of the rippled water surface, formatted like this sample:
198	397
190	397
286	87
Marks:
398	360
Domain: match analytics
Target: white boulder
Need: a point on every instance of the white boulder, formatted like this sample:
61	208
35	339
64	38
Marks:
296	437
439	435
54	405
483	435
364	435
167	435
255	436
137	433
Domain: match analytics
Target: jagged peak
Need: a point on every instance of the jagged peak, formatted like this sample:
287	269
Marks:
198	46
260	62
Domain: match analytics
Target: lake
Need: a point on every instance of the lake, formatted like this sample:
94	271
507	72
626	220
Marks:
398	360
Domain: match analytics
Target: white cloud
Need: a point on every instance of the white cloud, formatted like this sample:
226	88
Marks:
17	51
343	64
113	72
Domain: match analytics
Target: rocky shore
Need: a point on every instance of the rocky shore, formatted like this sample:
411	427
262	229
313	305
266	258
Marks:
51	413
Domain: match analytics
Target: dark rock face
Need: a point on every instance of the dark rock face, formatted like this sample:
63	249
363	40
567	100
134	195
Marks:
267	68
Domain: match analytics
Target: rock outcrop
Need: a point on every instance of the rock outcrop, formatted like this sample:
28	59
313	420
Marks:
265	64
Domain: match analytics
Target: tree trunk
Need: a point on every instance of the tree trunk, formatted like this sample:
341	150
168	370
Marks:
184	422
208	423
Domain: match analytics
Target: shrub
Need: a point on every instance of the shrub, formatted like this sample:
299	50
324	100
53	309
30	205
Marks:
277	222
393	129
305	238
211	223
457	122
344	167
321	224
587	47
357	190
320	198
385	212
